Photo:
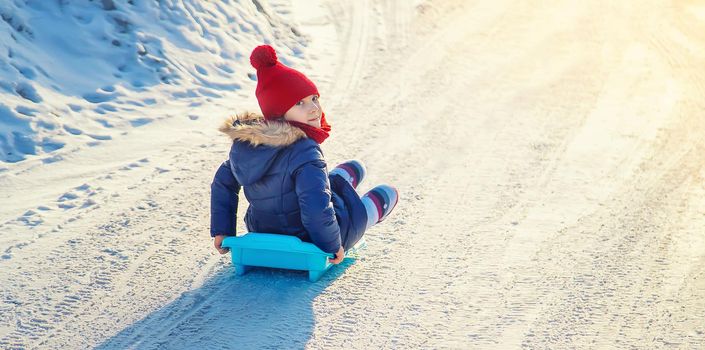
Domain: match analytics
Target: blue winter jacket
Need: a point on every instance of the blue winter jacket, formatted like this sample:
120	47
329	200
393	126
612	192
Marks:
285	180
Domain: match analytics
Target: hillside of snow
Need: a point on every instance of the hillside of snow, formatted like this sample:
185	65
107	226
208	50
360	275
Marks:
76	74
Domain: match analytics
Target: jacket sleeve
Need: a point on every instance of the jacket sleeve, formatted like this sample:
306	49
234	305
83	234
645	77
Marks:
317	213
224	200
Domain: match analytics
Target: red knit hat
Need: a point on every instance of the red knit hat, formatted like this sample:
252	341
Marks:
278	86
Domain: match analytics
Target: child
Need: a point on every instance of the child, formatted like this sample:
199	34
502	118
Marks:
277	160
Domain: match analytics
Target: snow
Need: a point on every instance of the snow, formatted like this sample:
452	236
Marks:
549	157
117	67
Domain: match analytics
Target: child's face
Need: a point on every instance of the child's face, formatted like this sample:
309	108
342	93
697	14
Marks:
308	111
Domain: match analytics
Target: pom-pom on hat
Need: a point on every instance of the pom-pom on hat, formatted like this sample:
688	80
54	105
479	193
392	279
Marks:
278	86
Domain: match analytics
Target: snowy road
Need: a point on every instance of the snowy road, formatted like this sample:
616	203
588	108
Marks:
551	165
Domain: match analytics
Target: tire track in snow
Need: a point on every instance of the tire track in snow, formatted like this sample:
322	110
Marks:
121	251
356	40
497	301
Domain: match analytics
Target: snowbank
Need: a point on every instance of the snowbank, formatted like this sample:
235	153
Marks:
81	73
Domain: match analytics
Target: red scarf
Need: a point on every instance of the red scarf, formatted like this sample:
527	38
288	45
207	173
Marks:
317	134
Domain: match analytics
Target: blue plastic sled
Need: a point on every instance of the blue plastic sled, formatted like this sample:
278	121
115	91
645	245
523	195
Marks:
279	251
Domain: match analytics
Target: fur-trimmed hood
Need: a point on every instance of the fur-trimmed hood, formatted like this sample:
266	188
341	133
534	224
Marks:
253	128
258	143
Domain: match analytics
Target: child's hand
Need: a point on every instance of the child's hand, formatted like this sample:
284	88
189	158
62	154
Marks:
339	256
217	242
